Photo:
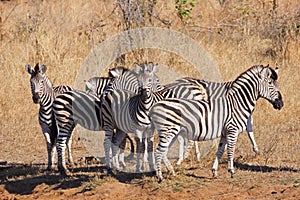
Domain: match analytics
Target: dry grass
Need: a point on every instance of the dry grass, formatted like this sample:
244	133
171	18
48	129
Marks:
237	36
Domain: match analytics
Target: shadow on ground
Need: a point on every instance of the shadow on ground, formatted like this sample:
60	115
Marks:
258	168
23	179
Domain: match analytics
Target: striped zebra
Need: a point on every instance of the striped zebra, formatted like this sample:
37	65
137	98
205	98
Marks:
224	117
100	86
130	111
43	93
214	91
117	105
78	107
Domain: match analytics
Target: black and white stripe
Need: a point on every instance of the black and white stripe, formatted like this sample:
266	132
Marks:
43	93
224	117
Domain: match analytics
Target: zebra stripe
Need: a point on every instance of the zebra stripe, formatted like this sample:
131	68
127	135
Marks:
97	85
205	120
43	93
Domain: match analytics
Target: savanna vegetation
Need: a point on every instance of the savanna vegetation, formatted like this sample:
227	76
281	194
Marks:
237	34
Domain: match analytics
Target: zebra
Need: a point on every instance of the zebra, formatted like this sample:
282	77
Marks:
117	104
43	93
100	86
78	107
130	111
214	91
224	117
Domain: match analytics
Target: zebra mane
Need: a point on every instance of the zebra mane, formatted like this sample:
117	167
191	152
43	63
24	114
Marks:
39	69
252	72
119	71
274	75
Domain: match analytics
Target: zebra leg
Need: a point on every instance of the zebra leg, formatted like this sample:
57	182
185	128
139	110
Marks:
158	157
69	146
251	135
140	148
53	153
221	148
150	153
161	152
118	138
107	147
131	148
231	141
181	149
121	153
198	154
49	145
168	164
61	148
144	152
188	148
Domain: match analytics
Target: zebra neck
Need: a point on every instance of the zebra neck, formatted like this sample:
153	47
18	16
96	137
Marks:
46	101
243	96
146	99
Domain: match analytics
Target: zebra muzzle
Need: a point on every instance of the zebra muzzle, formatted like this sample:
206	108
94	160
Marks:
278	104
36	98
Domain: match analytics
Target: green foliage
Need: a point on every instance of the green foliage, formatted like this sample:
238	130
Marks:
184	9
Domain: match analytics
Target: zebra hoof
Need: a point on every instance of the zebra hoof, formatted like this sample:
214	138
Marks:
64	173
49	169
160	179
71	164
109	171
153	173
255	149
232	173
214	172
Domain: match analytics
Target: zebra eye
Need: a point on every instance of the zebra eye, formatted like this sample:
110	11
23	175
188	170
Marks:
270	82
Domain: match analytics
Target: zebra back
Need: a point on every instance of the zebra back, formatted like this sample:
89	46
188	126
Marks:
60	89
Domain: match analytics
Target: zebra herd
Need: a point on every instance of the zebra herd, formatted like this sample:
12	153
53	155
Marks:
134	101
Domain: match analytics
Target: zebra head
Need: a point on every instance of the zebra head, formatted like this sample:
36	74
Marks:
122	79
147	79
269	87
40	84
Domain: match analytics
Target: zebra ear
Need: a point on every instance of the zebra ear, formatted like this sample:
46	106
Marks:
114	73
276	70
154	68
137	68
89	86
29	69
265	72
150	66
43	69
